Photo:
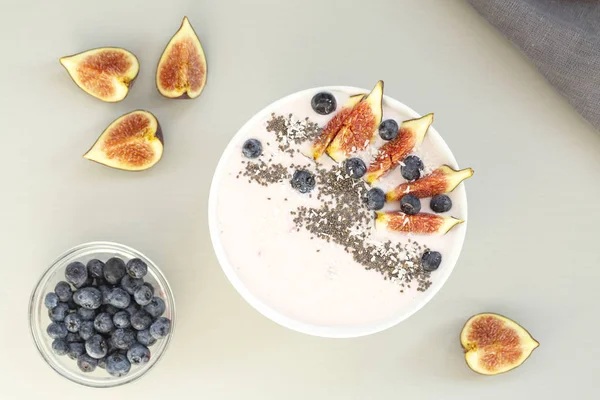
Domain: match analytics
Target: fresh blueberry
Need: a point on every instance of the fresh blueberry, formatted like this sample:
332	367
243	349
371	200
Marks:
137	268
410	204
72	305
130	284
252	148
63	291
119	298
411	168
96	346
121	319
88	297
123	338
112	310
58	313
51	300
102	363
75	350
143	295
375	199
73	337
145	338
87	314
87	330
323	103
355	168
431	260
440	203
99	282
103	323
73	322
141	320
95	268
105	290
138	354
114	270
160	328
388	129
303	181
117	365
132	308
57	330
156	307
86	363
60	347
88	282
76	274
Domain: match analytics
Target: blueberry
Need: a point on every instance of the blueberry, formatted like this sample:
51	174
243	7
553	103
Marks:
145	338
86	314
114	270
112	310
130	284
412	168
86	363
63	291
138	354
132	308
252	148
102	363
99	282
95	268
88	297
388	129
73	337
410	204
431	260
303	181
72	305
117	365
75	350
96	346
123	338
105	290
88	282
57	330
440	203
141	320
51	300
137	268
156	307
119	298
160	328
121	319
103	323
323	103
58	313
355	168
76	274
60	347
73	322
143	295
87	330
375	199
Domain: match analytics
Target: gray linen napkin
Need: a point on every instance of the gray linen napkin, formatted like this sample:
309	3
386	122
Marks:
562	38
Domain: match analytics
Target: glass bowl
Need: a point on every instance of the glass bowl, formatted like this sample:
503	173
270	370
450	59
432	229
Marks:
39	320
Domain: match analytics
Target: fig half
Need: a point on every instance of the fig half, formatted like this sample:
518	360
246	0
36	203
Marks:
181	72
133	142
494	344
106	73
421	223
442	180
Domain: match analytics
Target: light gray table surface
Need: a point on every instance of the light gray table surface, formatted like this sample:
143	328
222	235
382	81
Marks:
531	251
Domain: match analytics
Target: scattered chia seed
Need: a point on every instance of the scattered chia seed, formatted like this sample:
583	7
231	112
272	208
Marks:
265	174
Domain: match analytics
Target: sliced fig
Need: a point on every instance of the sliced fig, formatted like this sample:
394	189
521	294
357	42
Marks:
422	223
106	73
359	128
494	344
410	135
333	126
442	180
133	142
181	72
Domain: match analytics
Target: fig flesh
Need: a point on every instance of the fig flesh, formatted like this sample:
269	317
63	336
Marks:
181	72
360	127
421	223
133	142
494	344
106	73
410	135
442	180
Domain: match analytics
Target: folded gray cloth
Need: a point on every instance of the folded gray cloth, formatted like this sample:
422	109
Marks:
562	37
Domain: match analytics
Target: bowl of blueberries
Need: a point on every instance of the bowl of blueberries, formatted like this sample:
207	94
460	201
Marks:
102	315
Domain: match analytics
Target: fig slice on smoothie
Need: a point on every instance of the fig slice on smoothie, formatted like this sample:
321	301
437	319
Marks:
422	223
333	126
442	180
410	135
359	128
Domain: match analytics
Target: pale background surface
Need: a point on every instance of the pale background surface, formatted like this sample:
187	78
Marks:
531	251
